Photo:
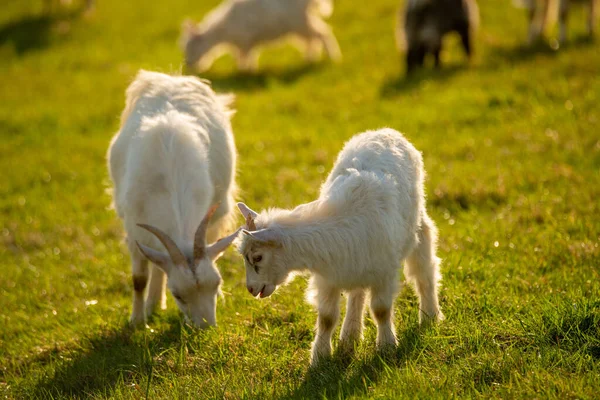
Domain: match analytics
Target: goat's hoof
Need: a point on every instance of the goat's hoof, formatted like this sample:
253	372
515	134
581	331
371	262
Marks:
386	350
427	319
137	322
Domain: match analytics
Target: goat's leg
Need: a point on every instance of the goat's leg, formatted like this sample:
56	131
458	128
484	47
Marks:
319	30
535	24
465	37
422	269
314	49
157	295
592	16
353	321
328	306
545	16
382	299
139	272
436	57
563	14
248	60
415	57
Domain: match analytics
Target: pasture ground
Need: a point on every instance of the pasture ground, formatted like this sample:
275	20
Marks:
512	149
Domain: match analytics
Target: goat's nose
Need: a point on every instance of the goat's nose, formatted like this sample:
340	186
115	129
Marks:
250	289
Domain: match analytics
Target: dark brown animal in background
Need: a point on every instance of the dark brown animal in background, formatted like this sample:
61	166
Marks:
423	23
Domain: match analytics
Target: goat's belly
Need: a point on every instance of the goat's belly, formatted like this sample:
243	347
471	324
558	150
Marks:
367	279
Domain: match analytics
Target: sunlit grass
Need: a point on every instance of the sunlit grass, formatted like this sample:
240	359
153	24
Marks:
512	149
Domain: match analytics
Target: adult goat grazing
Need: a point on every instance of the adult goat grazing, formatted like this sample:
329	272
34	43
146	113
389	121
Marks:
172	159
244	25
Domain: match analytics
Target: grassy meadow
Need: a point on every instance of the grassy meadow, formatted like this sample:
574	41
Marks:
511	144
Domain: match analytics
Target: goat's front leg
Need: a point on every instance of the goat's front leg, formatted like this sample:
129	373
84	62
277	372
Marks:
353	322
139	273
247	60
382	300
328	306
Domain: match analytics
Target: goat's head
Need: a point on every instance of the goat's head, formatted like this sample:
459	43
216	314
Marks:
262	250
193	42
192	276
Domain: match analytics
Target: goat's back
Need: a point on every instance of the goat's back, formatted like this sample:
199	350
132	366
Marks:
379	176
174	154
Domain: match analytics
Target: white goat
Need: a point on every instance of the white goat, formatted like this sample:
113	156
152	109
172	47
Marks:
173	157
243	25
369	217
539	14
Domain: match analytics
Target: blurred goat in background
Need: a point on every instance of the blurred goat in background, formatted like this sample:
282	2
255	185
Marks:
539	12
244	25
423	23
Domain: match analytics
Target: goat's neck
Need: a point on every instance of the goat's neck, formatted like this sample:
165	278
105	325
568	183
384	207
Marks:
313	244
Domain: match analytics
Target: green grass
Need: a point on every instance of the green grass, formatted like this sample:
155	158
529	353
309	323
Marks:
512	149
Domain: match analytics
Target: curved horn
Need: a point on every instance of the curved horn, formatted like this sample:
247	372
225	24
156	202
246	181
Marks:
176	255
215	249
200	236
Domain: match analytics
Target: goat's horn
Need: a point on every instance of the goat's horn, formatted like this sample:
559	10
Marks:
176	255
200	237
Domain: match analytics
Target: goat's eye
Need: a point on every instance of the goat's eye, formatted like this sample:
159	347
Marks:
257	259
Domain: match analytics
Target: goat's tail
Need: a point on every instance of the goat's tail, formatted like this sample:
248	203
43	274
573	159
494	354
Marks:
422	269
324	7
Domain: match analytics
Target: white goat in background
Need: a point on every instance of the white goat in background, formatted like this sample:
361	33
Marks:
368	219
173	157
539	15
244	25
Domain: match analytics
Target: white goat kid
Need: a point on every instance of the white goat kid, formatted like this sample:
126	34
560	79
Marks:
244	25
173	157
369	217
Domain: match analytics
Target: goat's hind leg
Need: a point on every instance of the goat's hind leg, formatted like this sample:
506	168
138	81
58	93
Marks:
422	270
592	17
563	15
352	328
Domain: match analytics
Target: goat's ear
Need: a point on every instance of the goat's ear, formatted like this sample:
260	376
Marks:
158	258
246	211
215	250
265	237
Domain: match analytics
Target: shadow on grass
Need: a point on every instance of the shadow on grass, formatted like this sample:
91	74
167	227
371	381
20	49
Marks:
36	32
405	83
523	53
340	377
108	359
241	81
